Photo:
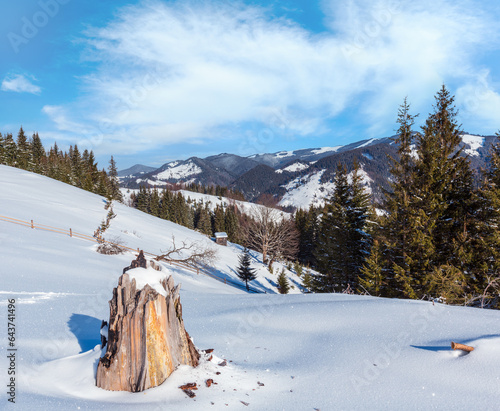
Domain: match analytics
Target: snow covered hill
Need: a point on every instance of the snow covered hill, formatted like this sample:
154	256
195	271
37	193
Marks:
28	196
292	352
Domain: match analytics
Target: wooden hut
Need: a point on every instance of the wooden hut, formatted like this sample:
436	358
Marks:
221	238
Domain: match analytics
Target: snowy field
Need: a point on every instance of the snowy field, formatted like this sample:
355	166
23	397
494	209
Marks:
293	352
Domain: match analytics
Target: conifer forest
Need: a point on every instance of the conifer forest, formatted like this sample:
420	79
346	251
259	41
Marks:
434	235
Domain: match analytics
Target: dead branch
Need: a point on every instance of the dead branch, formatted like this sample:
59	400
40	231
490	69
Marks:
196	254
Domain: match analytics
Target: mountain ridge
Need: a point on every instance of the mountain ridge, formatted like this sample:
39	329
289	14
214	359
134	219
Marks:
306	174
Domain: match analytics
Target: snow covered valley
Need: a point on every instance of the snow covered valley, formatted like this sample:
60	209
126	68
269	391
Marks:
283	352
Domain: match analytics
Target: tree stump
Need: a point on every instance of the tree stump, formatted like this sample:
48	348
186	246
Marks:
146	337
140	261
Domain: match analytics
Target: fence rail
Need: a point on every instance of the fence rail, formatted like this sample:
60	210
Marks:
69	232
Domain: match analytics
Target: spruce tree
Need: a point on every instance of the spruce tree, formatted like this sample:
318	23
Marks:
38	155
203	220
113	182
54	162
10	151
93	170
244	272
487	243
2	150
232	225
343	242
432	206
23	150
307	223
143	199
154	203
360	239
178	209
75	163
102	184
307	281
87	172
332	237
283	285
166	204
444	187
373	277
219	224
406	243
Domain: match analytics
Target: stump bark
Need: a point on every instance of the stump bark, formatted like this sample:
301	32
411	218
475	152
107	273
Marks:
147	340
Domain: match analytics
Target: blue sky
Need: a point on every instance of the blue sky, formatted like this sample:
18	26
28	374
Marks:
153	81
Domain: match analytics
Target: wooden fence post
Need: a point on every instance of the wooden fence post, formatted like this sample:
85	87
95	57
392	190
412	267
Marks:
32	226
70	233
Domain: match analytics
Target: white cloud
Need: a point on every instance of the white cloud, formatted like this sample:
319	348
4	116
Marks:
20	83
479	103
59	117
180	73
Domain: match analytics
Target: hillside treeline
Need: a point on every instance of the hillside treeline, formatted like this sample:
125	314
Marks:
72	167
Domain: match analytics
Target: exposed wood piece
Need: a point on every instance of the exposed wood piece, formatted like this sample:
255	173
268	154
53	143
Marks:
457	346
190	393
189	386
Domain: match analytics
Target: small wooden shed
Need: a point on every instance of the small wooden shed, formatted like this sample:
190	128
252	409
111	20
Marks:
221	238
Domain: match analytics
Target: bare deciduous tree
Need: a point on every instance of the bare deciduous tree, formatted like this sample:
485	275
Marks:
196	254
494	283
272	233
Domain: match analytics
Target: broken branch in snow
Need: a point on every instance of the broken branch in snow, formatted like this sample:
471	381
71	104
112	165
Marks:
457	346
195	254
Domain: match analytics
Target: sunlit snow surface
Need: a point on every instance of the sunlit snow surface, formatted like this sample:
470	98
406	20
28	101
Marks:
308	352
304	191
182	171
293	168
474	143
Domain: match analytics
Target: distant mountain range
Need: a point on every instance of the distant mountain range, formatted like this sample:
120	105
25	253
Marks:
135	171
299	178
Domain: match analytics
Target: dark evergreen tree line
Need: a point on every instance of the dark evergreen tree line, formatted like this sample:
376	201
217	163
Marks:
214	191
439	233
173	206
439	238
72	167
335	239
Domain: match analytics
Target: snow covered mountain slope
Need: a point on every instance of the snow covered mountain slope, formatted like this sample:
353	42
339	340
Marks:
293	352
192	170
313	189
274	173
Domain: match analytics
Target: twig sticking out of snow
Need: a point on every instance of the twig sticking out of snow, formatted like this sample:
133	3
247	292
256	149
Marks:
457	346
